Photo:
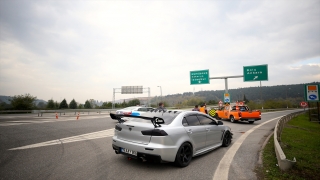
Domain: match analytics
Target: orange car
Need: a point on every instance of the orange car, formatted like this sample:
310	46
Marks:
239	113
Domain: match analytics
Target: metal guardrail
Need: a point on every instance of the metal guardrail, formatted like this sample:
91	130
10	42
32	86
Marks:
40	112
60	111
283	162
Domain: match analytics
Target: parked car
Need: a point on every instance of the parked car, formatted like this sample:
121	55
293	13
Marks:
238	113
171	136
132	110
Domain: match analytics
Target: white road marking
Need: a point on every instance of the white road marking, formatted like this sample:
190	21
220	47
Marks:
83	137
222	170
52	119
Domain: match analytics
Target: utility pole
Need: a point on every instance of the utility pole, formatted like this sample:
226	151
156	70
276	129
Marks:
161	92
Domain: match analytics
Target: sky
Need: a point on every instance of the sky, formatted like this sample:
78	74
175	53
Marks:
89	49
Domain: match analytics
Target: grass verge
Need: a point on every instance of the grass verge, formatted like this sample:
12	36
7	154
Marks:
300	139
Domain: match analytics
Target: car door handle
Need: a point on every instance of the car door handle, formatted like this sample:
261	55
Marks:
190	131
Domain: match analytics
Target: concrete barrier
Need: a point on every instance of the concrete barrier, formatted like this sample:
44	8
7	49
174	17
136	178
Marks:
284	163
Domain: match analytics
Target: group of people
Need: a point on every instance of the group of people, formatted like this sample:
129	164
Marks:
203	108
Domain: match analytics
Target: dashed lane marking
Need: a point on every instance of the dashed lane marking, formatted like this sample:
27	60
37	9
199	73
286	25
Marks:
83	137
52	119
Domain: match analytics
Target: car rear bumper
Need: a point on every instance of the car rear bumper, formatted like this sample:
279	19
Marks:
151	151
250	119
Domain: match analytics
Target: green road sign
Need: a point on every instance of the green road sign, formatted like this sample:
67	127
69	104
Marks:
199	77
255	73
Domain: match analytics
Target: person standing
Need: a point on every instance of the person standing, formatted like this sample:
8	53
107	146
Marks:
161	107
203	109
196	108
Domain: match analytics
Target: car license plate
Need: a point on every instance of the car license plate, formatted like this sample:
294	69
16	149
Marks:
129	151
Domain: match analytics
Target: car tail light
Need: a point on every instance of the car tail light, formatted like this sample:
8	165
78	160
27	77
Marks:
154	132
118	128
127	113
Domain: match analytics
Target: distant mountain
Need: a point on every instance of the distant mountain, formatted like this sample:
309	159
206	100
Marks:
5	99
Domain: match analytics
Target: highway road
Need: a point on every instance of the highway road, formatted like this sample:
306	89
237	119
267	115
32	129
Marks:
33	147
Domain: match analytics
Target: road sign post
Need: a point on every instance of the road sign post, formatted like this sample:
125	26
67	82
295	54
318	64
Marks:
199	77
255	73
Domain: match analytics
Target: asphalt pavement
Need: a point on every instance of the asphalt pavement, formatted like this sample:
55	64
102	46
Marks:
35	147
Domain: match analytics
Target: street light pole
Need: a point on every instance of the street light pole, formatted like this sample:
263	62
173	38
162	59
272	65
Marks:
161	92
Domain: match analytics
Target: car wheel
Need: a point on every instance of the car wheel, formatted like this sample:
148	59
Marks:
226	139
184	155
251	122
232	119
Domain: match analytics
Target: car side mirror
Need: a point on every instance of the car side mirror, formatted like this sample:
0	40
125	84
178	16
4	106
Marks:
220	123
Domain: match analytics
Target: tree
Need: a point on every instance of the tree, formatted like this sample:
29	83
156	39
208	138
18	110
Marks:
63	104
5	106
51	104
56	105
73	104
124	104
23	102
92	103
134	102
80	106
245	99
87	105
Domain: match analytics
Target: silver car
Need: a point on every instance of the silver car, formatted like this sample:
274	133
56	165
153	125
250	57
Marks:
132	110
171	136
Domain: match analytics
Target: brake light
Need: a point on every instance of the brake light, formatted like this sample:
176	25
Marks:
154	132
127	113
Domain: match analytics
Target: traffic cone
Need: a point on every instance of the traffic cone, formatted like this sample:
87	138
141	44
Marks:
56	115
78	116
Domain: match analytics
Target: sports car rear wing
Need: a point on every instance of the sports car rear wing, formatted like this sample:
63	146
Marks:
156	121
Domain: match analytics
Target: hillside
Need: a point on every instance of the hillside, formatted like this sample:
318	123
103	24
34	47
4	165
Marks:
294	92
6	99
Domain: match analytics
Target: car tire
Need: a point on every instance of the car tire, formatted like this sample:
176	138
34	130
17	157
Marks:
226	139
251	122
184	155
232	119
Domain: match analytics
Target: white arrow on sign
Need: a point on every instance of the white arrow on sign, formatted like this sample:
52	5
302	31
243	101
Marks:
256	77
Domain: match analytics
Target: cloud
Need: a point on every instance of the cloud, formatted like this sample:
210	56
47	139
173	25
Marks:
83	50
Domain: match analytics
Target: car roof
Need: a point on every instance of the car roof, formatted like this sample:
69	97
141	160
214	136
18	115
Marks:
170	115
135	107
